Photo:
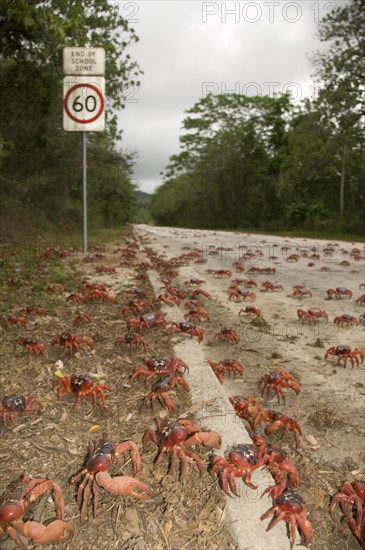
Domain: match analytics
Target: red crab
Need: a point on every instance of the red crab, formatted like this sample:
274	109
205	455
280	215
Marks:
82	319
276	381
14	405
361	300
140	293
174	436
300	292
88	287
169	299
33	311
279	466
228	334
188	328
339	292
312	315
194	281
362	318
250	310
132	338
345	319
14	503
269	286
352	501
242	460
81	385
160	389
290	507
71	342
220	273
98	295
158	366
32	345
100	458
138	306
343	353
194	304
148	320
247	408
14	320
226	366
239	295
197	313
105	269
279	421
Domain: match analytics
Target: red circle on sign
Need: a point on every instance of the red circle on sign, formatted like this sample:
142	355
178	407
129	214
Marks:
99	94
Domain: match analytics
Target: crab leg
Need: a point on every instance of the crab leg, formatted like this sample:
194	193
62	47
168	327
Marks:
136	459
37	488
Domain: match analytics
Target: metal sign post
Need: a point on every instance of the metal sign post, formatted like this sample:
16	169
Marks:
84	192
84	104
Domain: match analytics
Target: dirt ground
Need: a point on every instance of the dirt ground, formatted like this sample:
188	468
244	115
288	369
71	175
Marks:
53	442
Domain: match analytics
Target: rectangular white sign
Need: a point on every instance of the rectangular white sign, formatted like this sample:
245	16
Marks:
83	61
84	103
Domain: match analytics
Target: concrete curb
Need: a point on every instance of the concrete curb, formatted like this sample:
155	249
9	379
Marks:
215	412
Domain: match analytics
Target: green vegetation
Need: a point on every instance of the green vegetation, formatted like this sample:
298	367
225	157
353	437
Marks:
143	207
262	163
40	163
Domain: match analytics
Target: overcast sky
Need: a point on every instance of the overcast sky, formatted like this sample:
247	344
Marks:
188	48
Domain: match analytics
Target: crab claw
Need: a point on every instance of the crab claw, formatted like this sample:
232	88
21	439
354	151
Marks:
42	534
209	439
122	485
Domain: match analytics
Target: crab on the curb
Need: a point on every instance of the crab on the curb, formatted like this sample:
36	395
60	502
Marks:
290	507
160	366
187	328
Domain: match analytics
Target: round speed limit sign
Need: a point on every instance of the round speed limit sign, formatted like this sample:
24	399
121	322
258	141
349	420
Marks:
84	104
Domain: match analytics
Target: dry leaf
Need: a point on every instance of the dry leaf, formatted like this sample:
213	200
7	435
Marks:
94	427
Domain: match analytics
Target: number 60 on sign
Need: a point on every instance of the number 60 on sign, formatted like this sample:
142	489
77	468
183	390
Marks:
84	103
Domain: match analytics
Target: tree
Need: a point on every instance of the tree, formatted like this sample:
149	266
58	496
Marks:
230	160
39	160
340	69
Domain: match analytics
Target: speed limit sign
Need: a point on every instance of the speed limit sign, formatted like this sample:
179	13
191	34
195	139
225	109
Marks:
84	103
